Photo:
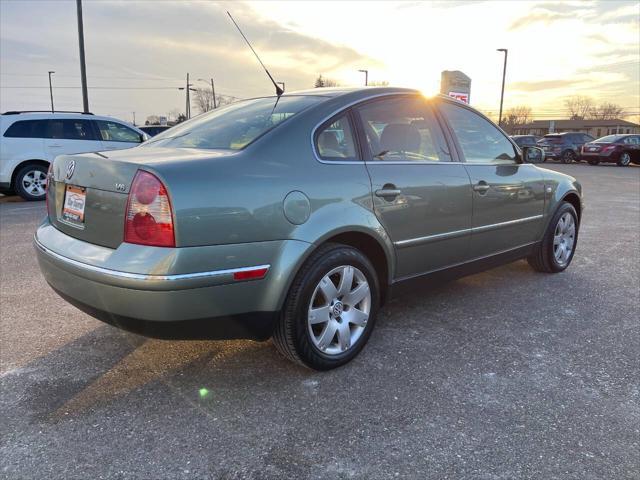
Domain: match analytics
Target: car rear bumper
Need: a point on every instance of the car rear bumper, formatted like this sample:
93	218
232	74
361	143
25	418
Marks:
147	290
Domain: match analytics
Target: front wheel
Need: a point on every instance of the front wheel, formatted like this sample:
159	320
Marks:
555	252
330	310
31	182
624	160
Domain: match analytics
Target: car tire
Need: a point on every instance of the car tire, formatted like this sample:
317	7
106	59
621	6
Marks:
593	161
624	160
561	234
322	333
568	156
30	182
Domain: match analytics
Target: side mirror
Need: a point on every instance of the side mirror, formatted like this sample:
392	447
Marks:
144	137
532	155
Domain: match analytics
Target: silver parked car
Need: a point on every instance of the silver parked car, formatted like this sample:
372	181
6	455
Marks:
297	216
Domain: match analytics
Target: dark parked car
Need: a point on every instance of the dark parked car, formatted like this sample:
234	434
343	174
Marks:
153	130
526	140
564	146
620	149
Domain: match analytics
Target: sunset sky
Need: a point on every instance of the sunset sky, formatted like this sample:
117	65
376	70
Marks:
138	52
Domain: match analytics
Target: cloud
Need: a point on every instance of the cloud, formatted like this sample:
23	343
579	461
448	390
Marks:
537	86
538	15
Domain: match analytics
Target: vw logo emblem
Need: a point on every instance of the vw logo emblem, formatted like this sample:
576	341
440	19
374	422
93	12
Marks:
71	166
338	308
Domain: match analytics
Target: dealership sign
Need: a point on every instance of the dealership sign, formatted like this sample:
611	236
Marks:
463	97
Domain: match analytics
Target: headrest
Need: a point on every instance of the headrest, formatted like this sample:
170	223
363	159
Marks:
400	137
329	141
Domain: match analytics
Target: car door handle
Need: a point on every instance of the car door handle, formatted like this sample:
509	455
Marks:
388	192
481	186
54	146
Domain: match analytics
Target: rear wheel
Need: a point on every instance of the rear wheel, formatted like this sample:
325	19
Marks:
568	156
555	252
31	182
330	310
624	160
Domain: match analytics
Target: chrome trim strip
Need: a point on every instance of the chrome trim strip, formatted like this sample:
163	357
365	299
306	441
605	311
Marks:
493	226
458	233
431	238
145	277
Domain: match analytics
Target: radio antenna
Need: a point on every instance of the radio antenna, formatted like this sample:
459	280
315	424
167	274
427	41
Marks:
279	91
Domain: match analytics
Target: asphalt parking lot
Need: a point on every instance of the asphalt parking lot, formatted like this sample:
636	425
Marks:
502	375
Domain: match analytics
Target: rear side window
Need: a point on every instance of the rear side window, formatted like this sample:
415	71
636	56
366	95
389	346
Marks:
481	141
116	132
335	140
402	129
27	129
69	129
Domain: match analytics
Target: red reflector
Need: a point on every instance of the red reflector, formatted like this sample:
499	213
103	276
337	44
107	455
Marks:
250	274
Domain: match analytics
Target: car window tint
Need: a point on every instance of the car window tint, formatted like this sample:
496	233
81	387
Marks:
27	129
116	132
402	129
69	129
234	126
335	141
481	141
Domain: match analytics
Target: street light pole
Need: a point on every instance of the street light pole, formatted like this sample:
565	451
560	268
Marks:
83	66
366	76
51	89
504	74
187	110
213	92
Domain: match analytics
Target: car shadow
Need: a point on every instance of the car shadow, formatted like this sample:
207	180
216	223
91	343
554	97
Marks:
433	329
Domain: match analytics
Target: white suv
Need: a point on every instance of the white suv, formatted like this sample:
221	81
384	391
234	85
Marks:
31	140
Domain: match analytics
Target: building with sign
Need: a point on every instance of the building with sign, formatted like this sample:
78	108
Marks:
455	84
595	128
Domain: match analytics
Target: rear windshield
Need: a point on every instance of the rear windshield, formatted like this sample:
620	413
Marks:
235	126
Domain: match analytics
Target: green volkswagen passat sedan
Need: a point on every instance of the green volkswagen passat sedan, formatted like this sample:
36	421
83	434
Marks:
295	217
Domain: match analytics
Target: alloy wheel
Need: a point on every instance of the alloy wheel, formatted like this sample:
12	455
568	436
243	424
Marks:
564	239
34	183
339	310
625	159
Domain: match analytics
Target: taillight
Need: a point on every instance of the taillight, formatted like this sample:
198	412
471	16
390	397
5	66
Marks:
149	220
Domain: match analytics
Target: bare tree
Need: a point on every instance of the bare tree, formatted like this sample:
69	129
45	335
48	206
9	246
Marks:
579	107
325	82
379	83
606	111
203	99
515	116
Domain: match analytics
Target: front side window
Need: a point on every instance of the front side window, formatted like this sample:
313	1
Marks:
335	141
402	129
481	141
235	126
116	132
68	129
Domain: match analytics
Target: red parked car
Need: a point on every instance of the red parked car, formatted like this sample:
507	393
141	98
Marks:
620	149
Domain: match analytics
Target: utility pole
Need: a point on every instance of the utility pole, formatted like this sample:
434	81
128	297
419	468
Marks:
187	110
504	74
213	92
51	89
134	119
366	76
83	66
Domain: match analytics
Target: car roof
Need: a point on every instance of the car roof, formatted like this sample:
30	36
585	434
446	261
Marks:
11	117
